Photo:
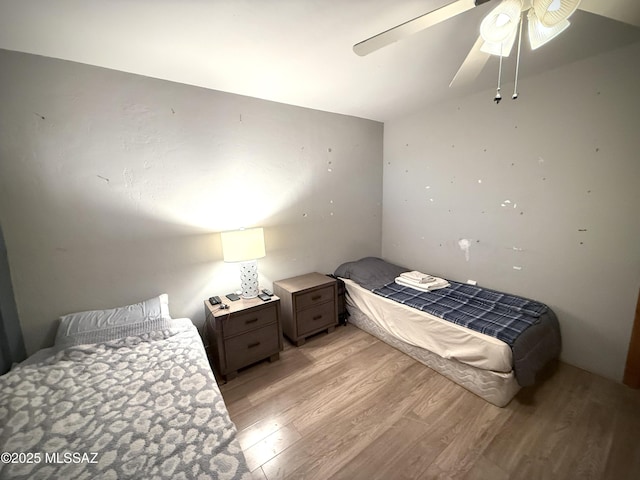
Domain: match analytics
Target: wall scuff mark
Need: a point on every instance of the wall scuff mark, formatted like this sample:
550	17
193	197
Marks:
465	245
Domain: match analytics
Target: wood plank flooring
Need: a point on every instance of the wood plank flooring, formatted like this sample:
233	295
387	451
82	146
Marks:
347	406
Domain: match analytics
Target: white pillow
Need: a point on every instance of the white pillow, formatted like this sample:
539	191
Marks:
96	320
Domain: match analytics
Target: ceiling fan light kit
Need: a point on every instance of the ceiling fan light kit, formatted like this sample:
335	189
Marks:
498	31
546	20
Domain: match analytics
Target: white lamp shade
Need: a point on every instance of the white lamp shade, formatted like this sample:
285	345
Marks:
501	22
243	245
553	12
500	49
539	34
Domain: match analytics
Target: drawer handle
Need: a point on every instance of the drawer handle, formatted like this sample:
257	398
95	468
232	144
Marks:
317	317
253	345
253	320
316	297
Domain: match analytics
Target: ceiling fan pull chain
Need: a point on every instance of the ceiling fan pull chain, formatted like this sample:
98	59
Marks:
498	97
515	87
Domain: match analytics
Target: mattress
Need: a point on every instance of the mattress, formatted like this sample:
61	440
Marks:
142	403
497	388
426	331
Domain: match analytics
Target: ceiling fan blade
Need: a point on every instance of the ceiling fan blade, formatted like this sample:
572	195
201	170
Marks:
626	11
415	25
472	65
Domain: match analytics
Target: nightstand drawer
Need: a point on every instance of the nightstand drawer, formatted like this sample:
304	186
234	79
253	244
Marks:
252	346
315	297
317	318
253	319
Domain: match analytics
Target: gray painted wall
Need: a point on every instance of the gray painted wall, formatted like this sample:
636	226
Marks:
114	186
544	189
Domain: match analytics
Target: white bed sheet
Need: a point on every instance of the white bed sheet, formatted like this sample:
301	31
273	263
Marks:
427	331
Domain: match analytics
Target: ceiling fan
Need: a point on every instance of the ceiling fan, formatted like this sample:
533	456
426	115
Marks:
502	25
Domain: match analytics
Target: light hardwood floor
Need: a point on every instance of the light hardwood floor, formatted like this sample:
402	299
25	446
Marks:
347	406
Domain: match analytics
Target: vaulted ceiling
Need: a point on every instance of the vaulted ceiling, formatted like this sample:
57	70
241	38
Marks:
291	51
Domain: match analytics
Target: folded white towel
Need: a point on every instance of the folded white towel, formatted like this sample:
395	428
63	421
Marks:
419	277
423	287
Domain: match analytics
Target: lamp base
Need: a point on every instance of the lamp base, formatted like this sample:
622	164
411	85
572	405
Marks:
249	279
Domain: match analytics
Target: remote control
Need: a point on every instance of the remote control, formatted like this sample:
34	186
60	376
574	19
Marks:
268	292
215	300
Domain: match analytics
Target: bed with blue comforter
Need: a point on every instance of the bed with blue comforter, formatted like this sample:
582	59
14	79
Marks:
528	327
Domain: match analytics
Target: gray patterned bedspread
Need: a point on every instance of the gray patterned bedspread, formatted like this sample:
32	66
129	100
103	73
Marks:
145	406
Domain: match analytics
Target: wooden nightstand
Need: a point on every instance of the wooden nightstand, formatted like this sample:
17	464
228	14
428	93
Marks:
309	305
245	333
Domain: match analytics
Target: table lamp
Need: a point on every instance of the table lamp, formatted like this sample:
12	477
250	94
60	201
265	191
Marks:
245	246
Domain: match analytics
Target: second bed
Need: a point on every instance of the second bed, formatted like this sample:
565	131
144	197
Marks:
483	364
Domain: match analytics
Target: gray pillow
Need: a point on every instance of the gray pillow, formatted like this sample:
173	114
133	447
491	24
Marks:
370	272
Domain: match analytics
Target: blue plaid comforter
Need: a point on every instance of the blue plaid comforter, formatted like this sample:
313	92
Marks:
499	315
